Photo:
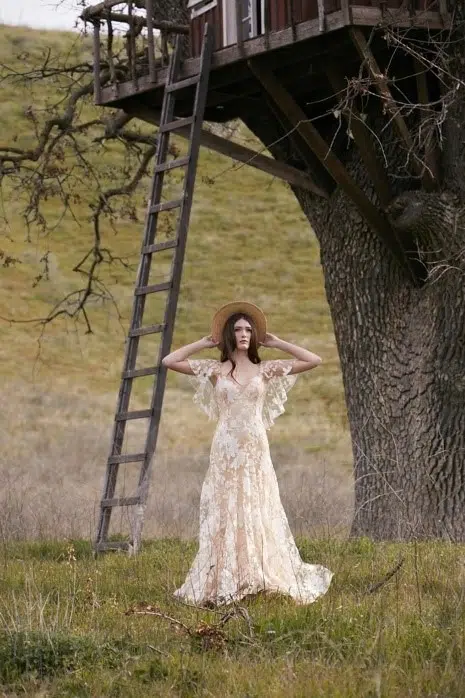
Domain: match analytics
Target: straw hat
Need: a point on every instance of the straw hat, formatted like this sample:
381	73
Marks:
253	311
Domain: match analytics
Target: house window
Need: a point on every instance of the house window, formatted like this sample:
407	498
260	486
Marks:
250	12
199	7
251	19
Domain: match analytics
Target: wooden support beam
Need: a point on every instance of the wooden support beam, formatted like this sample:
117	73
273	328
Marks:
331	162
374	15
361	136
431	153
321	16
239	25
138	20
443	11
151	42
103	11
97	64
131	48
347	11
267	22
390	105
92	12
290	16
281	170
300	148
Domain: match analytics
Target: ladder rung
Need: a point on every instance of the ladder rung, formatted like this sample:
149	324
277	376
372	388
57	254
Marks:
142	290
138	372
166	206
172	164
177	123
136	414
150	329
134	458
158	246
182	84
119	502
112	545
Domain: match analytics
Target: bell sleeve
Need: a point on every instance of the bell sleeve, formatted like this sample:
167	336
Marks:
204	396
278	382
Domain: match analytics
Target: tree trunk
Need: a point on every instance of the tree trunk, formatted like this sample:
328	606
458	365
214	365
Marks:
401	347
402	354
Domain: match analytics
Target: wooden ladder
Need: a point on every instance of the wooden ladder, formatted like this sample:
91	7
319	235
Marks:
150	247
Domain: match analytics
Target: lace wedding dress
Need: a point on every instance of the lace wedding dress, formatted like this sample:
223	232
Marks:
245	543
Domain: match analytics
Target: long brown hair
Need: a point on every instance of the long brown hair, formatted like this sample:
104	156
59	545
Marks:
228	341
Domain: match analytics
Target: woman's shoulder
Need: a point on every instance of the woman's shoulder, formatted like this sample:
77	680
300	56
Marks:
225	365
205	367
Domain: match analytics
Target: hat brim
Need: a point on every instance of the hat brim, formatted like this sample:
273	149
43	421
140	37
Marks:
253	311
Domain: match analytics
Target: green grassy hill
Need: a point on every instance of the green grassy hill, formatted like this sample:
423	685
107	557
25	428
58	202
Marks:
248	239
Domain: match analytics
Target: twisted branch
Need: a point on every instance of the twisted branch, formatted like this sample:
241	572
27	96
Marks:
65	144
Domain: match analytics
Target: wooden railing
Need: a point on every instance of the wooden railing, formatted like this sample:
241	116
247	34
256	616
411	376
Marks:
144	45
130	43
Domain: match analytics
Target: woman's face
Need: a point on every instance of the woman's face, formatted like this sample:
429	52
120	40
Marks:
242	333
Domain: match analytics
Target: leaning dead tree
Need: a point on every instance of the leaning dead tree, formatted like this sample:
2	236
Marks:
376	164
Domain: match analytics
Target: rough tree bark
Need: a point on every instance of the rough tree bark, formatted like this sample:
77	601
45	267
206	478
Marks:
402	348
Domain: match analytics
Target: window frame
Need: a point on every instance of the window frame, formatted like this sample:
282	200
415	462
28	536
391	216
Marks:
200	7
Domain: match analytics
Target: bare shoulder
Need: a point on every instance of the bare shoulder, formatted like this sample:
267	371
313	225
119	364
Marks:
224	367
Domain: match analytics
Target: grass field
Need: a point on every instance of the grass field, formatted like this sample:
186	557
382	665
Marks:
73	626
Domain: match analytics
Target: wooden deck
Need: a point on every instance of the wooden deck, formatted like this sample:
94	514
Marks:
286	47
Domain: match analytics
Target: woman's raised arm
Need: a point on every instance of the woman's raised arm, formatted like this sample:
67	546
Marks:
176	361
305	359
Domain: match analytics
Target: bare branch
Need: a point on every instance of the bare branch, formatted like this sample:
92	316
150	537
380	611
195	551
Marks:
60	165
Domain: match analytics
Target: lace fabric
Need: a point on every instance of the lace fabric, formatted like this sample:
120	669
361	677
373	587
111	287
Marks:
245	542
204	396
278	383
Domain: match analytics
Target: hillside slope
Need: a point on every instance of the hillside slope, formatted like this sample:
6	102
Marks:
248	239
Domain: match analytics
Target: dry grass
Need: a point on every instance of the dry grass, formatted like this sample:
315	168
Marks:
54	447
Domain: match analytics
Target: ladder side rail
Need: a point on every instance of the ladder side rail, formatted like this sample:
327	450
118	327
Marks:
176	273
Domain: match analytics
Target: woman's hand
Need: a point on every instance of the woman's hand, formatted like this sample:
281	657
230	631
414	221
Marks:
209	342
177	360
271	341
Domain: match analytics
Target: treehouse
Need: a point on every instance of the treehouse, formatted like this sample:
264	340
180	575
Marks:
297	39
311	50
327	73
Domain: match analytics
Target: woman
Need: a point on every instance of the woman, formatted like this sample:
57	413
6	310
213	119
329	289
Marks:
245	543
